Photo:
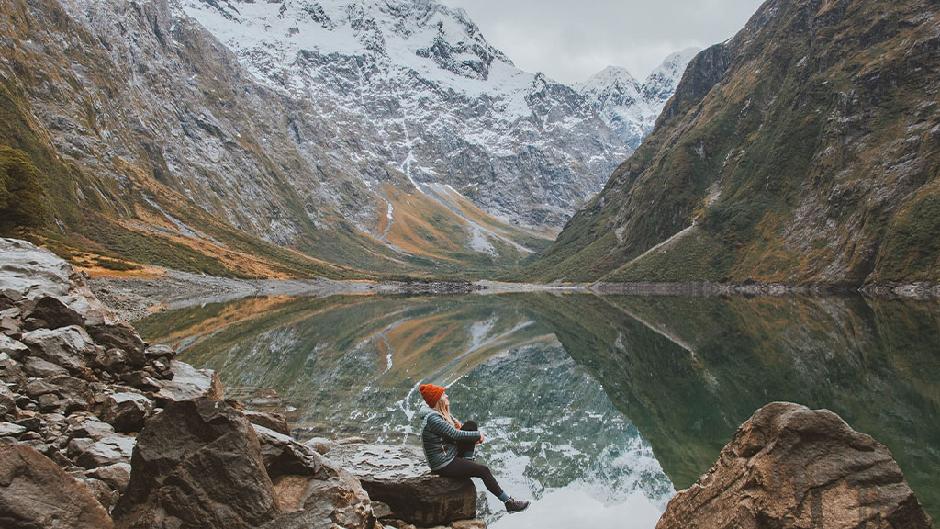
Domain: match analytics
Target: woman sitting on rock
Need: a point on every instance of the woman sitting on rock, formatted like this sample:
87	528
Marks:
449	446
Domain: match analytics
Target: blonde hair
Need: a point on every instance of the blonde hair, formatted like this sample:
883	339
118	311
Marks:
443	408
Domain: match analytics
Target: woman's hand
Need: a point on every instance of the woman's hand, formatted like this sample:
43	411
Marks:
458	424
482	439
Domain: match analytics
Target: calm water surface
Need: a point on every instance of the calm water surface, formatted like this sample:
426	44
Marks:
596	408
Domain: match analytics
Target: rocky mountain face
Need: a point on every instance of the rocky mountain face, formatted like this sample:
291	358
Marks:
420	88
803	150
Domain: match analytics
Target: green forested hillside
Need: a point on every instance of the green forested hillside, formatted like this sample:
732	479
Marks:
805	150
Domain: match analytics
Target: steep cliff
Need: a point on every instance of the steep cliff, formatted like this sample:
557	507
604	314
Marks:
806	149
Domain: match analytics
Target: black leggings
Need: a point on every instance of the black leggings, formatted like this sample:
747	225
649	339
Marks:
461	467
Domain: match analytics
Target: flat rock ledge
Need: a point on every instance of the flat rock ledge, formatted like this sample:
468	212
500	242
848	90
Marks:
789	467
398	477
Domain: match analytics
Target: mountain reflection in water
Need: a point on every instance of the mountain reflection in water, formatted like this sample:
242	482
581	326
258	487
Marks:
596	407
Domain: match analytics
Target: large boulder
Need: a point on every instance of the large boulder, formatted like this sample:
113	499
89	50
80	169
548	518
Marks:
310	492
329	499
284	456
36	494
791	467
33	273
398	476
68	347
197	464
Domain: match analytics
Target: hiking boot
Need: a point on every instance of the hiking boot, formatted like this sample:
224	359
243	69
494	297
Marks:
516	505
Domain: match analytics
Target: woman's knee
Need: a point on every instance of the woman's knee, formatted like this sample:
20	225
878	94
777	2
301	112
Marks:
484	472
469	426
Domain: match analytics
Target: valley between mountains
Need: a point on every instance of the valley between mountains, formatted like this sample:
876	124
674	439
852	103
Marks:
390	140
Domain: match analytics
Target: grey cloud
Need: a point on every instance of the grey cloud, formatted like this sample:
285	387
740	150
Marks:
571	40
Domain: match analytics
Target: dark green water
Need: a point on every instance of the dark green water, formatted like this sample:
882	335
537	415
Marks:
597	408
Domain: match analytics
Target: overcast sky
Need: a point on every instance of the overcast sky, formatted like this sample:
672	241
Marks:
570	40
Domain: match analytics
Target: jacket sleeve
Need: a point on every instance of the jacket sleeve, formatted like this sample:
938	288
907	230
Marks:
438	425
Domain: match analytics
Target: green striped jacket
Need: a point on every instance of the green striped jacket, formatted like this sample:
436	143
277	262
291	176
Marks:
439	439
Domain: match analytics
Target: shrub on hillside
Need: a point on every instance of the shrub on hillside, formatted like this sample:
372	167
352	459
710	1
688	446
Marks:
23	201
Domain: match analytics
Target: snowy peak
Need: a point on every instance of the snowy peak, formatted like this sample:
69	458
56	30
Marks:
613	86
629	107
610	76
429	38
661	83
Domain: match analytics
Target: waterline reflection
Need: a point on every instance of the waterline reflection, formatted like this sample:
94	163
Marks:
582	394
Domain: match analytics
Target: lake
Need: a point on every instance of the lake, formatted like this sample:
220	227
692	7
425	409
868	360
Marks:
597	408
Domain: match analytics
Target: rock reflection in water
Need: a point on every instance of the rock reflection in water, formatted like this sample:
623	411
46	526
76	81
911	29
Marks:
613	399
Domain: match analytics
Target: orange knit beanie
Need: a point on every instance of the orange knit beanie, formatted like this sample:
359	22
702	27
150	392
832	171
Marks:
431	393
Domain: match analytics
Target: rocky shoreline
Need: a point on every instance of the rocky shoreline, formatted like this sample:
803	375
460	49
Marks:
704	288
102	430
137	297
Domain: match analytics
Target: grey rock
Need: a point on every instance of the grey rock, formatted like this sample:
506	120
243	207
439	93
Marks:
90	428
270	420
38	387
121	336
110	449
7	403
9	429
105	495
66	346
61	393
38	367
78	446
117	476
112	360
126	411
13	348
33	273
189	383
50	313
321	445
32	424
160	352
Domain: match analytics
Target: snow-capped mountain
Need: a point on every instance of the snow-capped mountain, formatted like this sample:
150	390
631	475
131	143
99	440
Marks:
292	138
421	89
630	107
